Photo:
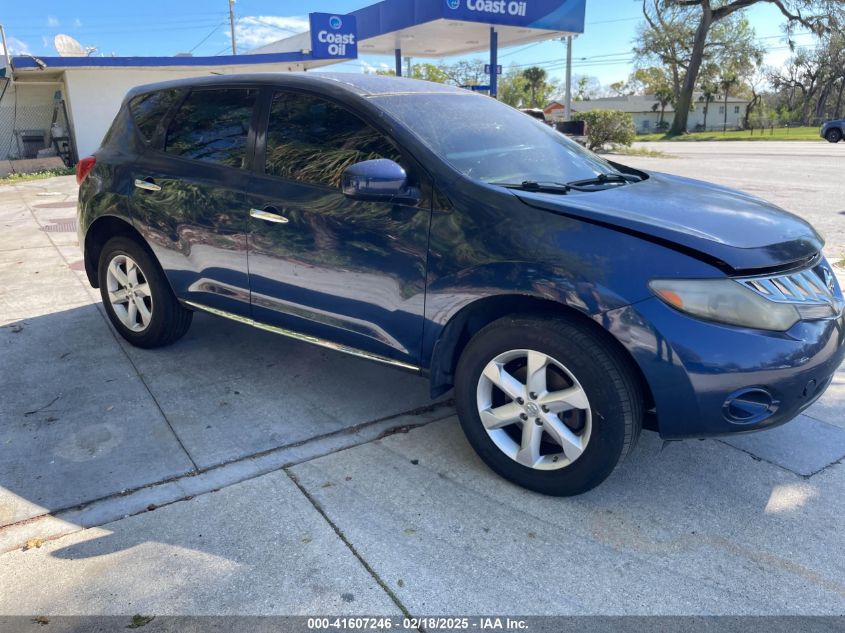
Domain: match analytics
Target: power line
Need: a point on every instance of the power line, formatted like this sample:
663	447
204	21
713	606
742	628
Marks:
205	39
636	17
270	24
134	29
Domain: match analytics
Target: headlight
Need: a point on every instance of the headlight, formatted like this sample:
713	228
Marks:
725	301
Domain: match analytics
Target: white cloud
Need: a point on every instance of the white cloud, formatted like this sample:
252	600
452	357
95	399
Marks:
77	22
45	41
367	66
52	20
253	31
16	47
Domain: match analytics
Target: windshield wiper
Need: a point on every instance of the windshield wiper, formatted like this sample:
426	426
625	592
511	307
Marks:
533	185
588	184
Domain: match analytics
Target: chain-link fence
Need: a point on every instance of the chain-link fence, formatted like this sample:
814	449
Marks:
33	131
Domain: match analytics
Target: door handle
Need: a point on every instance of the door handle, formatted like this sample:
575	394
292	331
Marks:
147	185
268	215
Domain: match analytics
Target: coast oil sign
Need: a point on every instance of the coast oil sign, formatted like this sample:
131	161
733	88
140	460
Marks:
554	15
333	36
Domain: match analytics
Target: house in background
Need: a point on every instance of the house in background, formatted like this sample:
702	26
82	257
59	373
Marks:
555	111
645	110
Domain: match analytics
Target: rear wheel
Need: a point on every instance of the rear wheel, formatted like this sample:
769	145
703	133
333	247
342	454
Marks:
547	403
834	135
137	297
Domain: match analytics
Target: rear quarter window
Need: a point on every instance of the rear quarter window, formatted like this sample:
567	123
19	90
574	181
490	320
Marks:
212	126
149	109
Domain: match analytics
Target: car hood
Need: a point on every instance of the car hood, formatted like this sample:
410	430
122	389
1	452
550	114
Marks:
729	228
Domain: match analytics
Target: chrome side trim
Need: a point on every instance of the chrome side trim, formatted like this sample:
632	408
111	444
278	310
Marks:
303	337
267	216
147	186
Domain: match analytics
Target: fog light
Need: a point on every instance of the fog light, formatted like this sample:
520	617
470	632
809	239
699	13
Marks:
750	405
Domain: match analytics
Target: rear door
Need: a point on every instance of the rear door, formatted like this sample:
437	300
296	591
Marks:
345	271
188	196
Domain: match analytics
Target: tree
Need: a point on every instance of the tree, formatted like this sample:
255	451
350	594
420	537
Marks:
586	88
728	81
429	72
753	85
536	78
667	37
709	90
466	72
650	80
608	127
513	89
620	88
811	84
815	15
664	97
530	87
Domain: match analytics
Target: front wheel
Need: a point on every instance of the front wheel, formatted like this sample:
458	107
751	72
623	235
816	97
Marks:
834	135
138	300
548	403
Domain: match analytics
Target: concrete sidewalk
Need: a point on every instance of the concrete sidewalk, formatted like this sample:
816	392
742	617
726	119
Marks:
242	473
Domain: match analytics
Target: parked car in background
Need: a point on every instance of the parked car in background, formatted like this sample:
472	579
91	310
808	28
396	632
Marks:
568	300
535	113
576	130
833	131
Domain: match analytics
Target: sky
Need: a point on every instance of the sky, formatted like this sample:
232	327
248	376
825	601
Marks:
167	27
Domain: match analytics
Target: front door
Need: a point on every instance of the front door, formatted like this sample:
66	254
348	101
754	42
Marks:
189	197
345	271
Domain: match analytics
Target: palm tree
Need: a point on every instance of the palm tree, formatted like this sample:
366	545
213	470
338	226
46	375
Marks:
664	96
725	83
708	91
536	78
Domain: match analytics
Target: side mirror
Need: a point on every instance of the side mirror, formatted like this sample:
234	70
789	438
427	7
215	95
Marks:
380	180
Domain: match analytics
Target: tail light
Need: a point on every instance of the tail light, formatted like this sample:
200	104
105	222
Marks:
84	167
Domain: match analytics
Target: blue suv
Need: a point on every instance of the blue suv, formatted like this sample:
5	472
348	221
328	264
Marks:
567	299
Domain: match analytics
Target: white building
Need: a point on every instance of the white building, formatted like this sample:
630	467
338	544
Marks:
83	94
645	110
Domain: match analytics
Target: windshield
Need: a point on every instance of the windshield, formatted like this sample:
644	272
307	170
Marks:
492	142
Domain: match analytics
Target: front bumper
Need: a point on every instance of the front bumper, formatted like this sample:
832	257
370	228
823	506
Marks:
711	379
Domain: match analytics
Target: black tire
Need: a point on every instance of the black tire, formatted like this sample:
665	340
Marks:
168	321
605	375
834	135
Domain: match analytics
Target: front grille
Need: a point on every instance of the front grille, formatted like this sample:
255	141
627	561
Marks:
808	287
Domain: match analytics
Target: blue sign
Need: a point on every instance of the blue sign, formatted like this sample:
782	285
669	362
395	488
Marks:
333	36
487	69
554	15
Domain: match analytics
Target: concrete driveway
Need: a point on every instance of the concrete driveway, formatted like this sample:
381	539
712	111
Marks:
242	473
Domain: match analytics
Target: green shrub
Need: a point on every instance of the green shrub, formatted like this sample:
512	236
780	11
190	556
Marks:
608	127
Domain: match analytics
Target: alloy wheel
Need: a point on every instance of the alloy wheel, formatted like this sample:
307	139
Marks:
534	409
129	293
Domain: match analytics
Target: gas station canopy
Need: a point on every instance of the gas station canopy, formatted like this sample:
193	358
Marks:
442	28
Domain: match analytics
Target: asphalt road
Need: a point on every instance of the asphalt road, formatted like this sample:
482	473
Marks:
237	472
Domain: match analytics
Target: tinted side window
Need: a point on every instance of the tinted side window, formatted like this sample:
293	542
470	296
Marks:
212	126
148	110
313	140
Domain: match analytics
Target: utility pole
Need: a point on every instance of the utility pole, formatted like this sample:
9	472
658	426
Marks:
568	111
8	55
232	25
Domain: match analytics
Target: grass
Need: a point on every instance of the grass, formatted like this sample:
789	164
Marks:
35	175
639	151
805	133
